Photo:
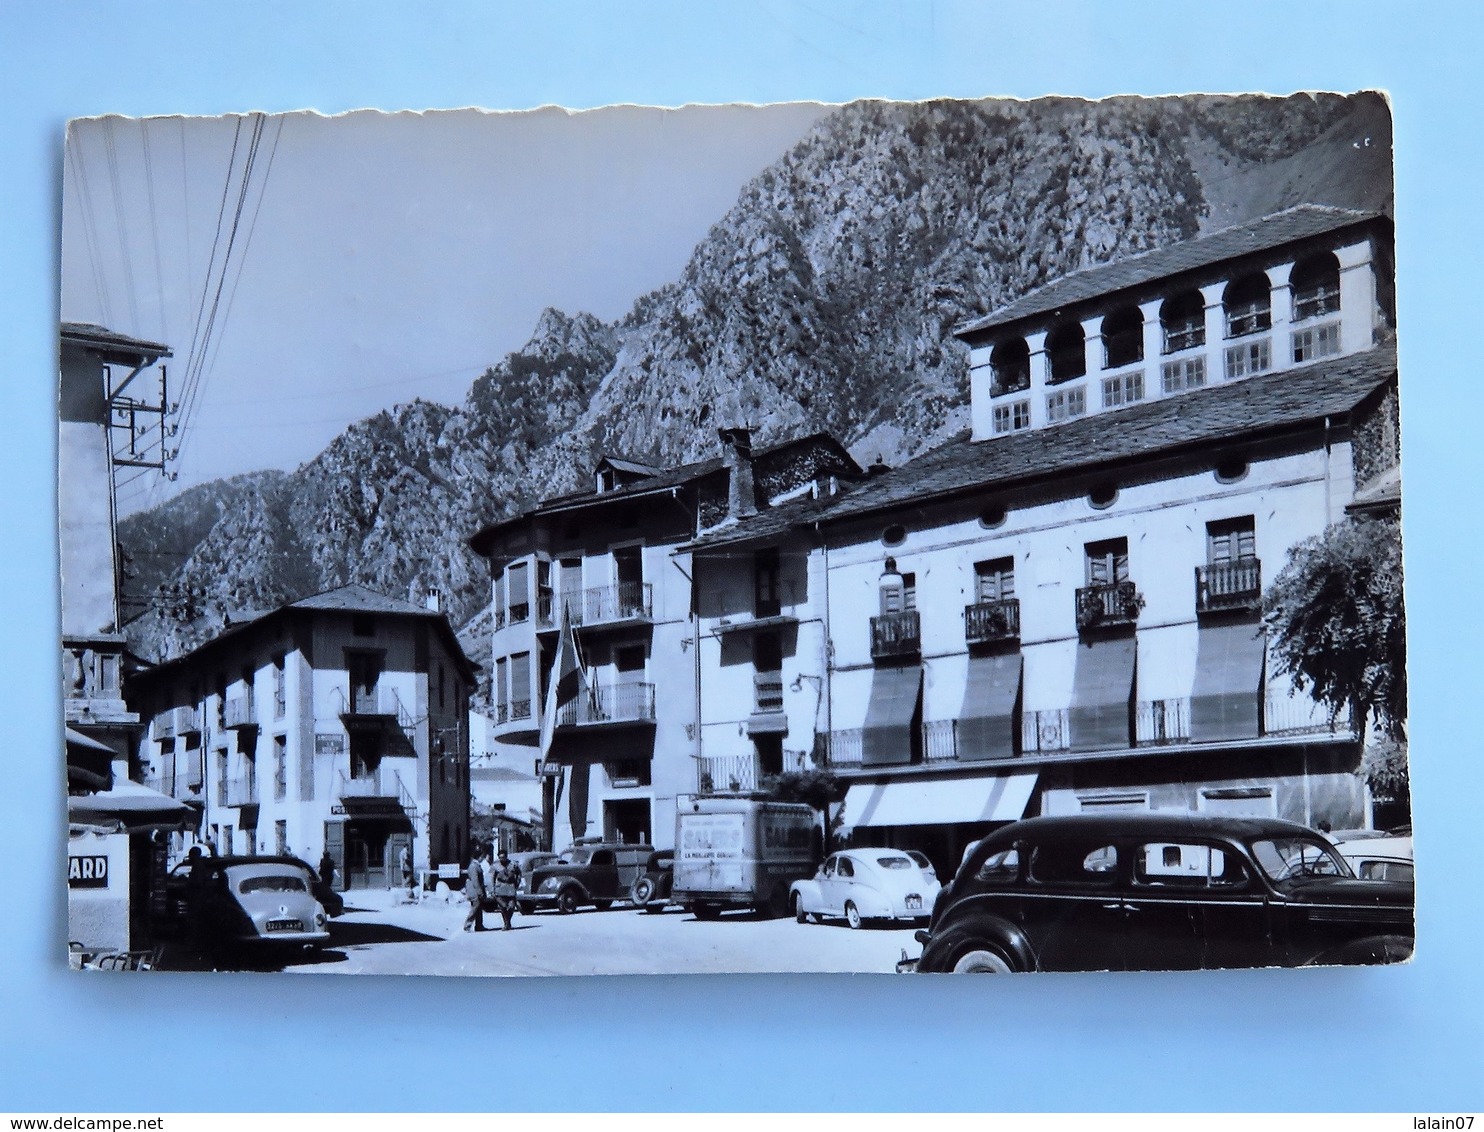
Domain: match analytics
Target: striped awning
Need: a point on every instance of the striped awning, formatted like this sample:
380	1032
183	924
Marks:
986	723
1102	686
886	739
1228	682
942	801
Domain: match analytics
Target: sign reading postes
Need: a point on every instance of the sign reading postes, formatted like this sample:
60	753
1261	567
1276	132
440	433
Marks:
329	743
87	871
549	769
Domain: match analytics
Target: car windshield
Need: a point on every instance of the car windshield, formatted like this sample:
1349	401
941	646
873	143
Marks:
577	856
276	882
895	862
1297	859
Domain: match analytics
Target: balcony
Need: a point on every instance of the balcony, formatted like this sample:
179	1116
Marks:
381	784
187	721
1228	586
843	749
238	714
1046	732
739	774
1159	723
940	740
992	622
896	635
624	603
1299	715
615	704
163	726
371	708
1110	605
242	791
546	609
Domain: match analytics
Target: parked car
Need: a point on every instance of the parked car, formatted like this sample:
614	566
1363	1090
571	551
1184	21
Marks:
866	884
1160	892
528	862
1379	858
594	875
225	901
332	902
651	889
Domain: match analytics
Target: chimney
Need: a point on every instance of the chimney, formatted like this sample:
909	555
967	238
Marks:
434	600
879	467
741	495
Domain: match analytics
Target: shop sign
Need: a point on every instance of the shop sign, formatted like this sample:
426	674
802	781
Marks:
90	871
329	743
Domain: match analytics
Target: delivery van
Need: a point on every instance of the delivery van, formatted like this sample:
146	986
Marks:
741	852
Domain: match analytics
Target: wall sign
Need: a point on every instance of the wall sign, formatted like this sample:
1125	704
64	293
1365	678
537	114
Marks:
329	743
87	871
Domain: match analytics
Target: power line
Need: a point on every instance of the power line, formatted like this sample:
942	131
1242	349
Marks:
154	228
89	225
121	224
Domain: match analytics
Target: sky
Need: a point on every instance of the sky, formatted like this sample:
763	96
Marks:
308	271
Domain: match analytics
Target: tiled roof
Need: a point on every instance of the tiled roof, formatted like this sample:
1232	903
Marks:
1204	417
1299	223
767	524
358	599
94	335
629	466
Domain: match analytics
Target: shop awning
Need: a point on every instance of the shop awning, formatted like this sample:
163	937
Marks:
886	739
991	798
986	724
1102	686
1228	682
131	806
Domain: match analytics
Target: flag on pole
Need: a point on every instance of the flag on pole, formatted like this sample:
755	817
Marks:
568	683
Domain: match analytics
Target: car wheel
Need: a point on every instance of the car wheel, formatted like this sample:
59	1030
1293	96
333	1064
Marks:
654	907
602	905
706	911
853	915
642	892
566	902
800	916
980	959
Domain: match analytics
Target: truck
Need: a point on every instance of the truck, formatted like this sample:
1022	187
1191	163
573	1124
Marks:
742	852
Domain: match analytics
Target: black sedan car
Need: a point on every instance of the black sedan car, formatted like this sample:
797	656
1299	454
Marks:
1160	892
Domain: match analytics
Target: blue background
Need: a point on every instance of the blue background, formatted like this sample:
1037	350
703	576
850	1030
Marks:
1410	1038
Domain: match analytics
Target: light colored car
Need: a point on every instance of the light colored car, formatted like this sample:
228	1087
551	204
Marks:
248	900
1379	858
865	884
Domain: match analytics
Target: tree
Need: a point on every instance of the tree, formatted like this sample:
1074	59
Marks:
1336	621
818	788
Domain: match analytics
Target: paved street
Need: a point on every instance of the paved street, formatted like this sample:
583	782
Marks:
377	936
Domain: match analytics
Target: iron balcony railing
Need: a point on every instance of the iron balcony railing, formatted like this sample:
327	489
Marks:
987	622
728	774
896	634
243	790
381	781
1049	730
520	709
238	713
1107	605
616	703
1158	723
1233	585
601	605
940	740
767	690
1299	714
842	748
373	704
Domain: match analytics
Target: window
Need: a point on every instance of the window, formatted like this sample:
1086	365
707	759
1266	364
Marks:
1315	283
1316	342
1245	360
898	591
628	660
894	535
1187	373
1000	868
1075	862
365	675
769	755
280	690
845	868
280	848
520	592
1231	470
1123	338
1010	367
520	686
766	601
992	517
1102	496
767	653
1123	389
994	581
1247	303
1107	562
502	689
1133	802
1172	865
1065	404
628	772
1067	352
1182	318
280	767
1012	416
1230	540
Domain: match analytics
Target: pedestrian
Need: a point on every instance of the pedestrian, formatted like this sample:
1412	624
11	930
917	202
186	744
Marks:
404	859
507	883
474	892
326	868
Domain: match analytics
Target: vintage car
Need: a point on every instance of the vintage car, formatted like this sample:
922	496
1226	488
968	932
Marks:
1160	891
590	874
225	901
865	884
1379	858
651	889
528	862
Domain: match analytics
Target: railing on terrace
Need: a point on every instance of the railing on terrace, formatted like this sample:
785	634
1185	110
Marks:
546	609
767	689
187	721
728	773
1159	722
1298	714
1228	585
381	782
520	709
842	748
989	621
623	601
242	791
1108	604
374	703
940	740
163	726
238	713
616	703
896	634
1047	731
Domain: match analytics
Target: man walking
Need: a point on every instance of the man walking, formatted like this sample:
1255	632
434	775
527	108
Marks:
507	882
474	892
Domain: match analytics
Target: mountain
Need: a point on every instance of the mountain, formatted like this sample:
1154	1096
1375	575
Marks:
824	299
